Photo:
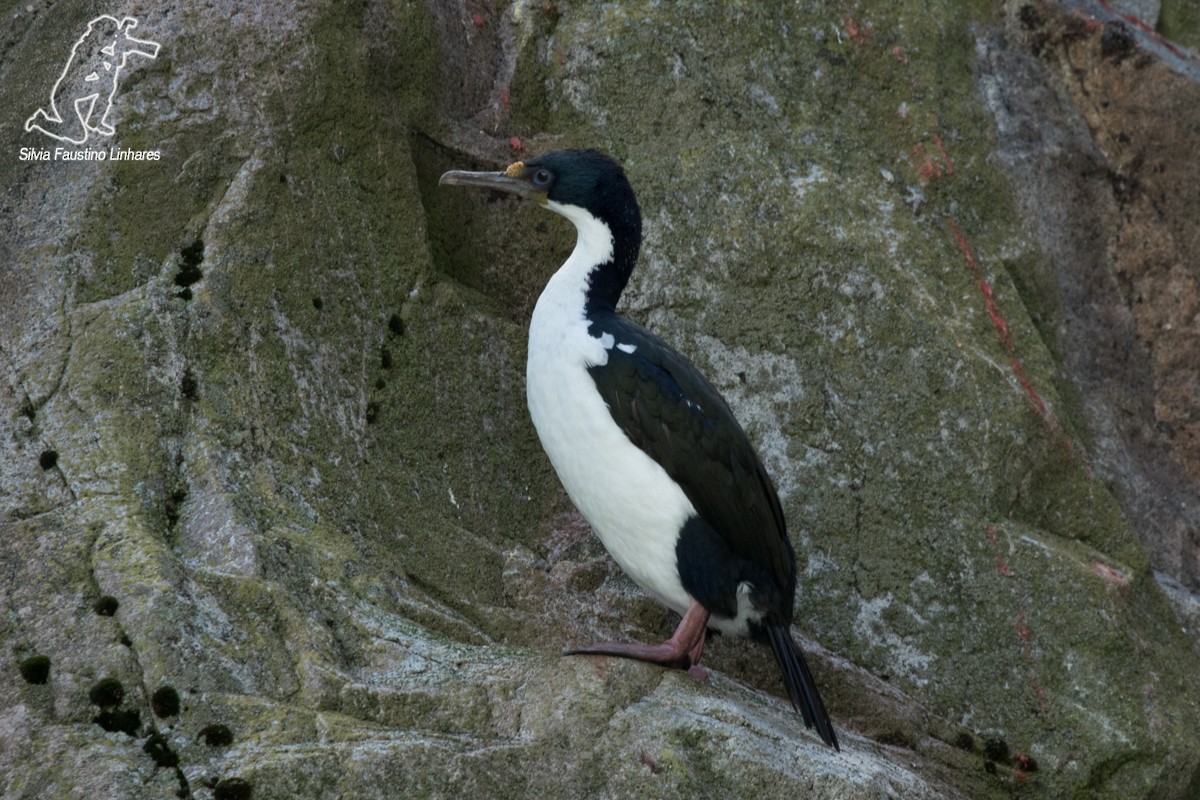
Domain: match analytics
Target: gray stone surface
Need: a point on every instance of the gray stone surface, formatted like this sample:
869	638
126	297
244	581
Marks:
282	377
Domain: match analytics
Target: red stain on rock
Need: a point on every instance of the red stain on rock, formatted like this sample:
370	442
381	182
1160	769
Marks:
998	322
1113	576
930	165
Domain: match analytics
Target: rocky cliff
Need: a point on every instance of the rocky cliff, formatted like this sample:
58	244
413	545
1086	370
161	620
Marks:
275	524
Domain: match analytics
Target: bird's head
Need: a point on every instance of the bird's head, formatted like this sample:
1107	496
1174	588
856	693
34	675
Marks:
588	188
584	179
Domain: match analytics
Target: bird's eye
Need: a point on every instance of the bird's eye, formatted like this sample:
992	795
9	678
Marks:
542	178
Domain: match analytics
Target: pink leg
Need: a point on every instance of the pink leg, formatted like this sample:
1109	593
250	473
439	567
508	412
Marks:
698	672
682	650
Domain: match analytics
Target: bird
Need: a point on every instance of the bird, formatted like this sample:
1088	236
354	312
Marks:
645	446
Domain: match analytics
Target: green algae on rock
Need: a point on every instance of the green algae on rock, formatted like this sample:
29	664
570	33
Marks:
365	572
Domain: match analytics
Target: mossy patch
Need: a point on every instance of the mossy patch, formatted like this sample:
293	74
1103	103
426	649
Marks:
106	606
1179	20
165	702
35	669
107	693
190	258
125	720
128	244
159	749
996	749
233	789
216	735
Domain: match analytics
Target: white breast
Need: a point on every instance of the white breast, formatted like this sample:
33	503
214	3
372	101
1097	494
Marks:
630	501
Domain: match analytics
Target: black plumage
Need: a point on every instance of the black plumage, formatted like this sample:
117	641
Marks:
669	409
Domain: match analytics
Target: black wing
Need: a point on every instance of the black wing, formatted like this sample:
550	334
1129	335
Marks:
671	412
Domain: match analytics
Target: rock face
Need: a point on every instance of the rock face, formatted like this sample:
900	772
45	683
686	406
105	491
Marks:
275	523
1103	154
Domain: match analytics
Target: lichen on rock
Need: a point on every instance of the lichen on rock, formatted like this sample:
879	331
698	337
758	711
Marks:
296	510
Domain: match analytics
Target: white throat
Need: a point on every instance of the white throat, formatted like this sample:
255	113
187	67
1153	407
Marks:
593	247
558	318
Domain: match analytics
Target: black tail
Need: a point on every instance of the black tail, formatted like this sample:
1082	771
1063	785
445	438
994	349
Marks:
801	687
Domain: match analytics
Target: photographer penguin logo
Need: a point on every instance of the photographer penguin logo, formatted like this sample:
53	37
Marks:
82	96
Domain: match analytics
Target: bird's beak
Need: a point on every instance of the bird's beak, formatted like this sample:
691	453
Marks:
501	181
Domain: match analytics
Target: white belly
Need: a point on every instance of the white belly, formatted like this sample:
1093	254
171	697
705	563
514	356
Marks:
630	501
